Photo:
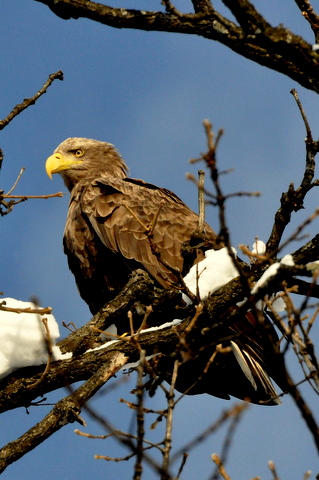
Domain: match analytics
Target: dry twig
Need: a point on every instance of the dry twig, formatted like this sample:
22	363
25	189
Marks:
292	200
31	101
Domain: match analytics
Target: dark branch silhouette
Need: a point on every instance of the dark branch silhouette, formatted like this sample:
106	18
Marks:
277	48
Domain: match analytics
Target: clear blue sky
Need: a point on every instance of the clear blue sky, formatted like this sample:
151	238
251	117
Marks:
148	94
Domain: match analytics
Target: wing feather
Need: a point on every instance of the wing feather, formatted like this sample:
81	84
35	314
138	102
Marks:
121	211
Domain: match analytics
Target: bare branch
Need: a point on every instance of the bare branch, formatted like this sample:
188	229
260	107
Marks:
310	15
303	114
232	412
7	206
16	181
201	201
43	197
38	310
139	418
169	423
202	6
292	200
304	410
234	423
274	47
273	470
65	411
210	160
220	466
30	101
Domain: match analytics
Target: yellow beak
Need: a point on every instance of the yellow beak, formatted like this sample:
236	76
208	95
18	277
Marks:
57	163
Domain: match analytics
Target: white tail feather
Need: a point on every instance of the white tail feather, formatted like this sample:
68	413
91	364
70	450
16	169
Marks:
248	365
243	364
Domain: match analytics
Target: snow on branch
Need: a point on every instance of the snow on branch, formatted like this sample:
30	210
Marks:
24	338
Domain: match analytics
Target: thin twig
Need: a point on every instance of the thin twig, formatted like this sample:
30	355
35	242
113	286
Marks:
234	422
201	201
26	197
292	200
210	159
169	423
48	343
115	433
304	409
295	234
114	459
40	311
138	468
310	15
148	311
31	101
220	466
16	182
184	459
214	427
273	470
303	114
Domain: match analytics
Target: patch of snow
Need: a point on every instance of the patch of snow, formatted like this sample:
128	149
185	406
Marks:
100	347
22	338
312	266
279	304
288	261
176	321
216	270
151	329
271	272
259	247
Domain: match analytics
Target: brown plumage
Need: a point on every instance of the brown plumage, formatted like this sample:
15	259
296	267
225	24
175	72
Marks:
104	236
105	240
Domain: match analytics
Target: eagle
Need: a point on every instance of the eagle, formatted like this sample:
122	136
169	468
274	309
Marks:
116	224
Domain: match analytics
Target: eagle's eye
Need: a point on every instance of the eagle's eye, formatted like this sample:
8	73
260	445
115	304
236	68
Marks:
78	152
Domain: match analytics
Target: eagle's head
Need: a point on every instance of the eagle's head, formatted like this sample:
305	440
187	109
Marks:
82	158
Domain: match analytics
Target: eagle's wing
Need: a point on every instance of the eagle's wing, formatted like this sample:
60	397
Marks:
133	218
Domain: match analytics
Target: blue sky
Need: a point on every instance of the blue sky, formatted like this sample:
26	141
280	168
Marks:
148	94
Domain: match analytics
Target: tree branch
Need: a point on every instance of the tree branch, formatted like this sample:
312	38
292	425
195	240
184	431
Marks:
65	411
274	47
30	101
310	15
202	6
292	200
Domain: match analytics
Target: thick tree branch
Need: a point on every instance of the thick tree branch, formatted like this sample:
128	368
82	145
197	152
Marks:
98	366
274	47
65	411
308	252
247	16
18	390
